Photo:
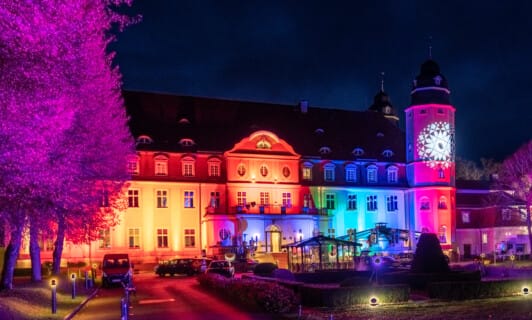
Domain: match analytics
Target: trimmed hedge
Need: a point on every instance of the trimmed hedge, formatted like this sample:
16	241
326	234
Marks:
340	297
252	293
265	269
422	280
460	290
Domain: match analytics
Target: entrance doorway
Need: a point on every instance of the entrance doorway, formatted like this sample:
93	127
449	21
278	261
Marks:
273	238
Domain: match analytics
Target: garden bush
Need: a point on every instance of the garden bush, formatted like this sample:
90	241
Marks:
354	281
460	290
251	293
264	269
341	297
429	256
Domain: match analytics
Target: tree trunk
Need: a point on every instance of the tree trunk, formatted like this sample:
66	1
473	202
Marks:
58	245
11	256
35	252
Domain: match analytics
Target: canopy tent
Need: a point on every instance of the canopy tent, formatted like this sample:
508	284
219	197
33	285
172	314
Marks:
321	253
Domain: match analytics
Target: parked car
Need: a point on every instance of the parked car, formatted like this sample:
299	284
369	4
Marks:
222	267
244	265
116	269
175	266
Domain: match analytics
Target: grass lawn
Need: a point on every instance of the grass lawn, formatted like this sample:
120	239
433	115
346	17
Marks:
34	300
518	307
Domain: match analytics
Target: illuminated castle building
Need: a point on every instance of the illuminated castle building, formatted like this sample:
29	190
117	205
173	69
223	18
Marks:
213	175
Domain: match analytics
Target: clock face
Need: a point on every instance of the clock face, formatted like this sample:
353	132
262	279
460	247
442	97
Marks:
435	144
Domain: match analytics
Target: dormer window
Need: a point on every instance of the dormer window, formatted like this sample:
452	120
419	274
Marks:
186	142
387	153
328	172
392	174
351	173
325	150
263	144
144	139
133	165
161	165
183	121
319	131
380	134
306	171
387	110
437	80
358	152
188	168
214	167
371	174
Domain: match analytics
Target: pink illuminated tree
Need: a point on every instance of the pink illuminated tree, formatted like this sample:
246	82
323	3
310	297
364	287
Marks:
63	128
516	174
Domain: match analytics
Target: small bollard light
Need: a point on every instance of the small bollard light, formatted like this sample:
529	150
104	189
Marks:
73	277
53	285
373	301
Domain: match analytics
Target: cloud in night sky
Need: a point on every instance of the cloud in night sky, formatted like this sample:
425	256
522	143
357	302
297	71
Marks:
332	53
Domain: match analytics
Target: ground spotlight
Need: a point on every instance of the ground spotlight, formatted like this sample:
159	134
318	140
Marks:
373	301
525	291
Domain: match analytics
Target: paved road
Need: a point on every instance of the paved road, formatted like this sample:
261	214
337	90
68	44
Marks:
164	298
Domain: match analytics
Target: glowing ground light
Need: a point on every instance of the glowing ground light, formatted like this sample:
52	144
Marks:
373	301
525	291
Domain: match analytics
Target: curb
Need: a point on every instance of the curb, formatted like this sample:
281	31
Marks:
76	310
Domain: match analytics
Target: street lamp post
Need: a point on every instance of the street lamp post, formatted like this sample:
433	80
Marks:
73	277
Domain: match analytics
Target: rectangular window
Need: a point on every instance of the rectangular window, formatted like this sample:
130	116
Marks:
264	198
104	239
484	238
133	198
392	176
214	169
306	200
161	168
329	201
466	217
287	199
372	175
307	173
506	214
351	202
391	203
134	238
371	203
215	199
162	199
162	238
189	199
190	238
188	169
241	198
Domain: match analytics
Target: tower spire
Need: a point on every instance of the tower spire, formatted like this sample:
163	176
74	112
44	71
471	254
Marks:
382	81
430	47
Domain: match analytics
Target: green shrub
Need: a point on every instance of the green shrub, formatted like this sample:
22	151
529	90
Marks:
78	264
354	281
264	269
266	295
341	297
429	256
460	290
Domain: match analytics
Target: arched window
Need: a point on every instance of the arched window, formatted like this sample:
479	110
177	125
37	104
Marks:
328	172
351	173
161	165
442	203
371	172
214	167
306	171
144	139
392	174
263	170
188	167
424	203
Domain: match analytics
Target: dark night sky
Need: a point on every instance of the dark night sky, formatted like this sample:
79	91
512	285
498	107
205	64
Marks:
331	53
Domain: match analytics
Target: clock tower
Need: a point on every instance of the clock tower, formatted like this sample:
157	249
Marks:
430	161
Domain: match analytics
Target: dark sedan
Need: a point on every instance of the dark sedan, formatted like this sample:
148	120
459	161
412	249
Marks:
176	266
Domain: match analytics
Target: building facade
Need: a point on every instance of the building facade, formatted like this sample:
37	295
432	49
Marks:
212	176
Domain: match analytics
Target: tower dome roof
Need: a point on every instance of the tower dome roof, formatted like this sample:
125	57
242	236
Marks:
430	86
